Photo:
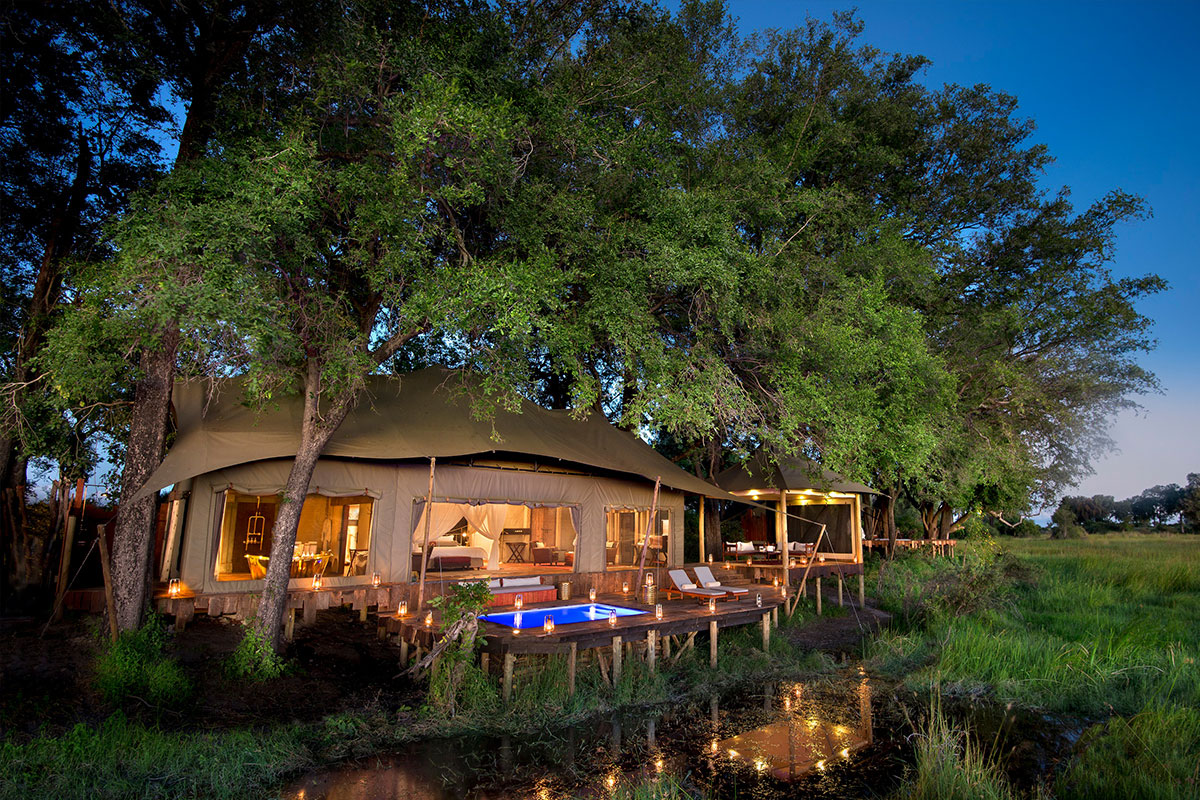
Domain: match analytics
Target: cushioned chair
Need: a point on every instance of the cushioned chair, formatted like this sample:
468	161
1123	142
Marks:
543	555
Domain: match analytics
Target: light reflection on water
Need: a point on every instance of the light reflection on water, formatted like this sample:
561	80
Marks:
795	730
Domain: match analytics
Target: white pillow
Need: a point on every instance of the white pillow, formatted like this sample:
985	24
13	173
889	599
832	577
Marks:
712	584
446	541
687	586
494	583
533	581
745	547
769	548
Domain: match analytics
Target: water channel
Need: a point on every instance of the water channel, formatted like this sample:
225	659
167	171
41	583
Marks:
842	739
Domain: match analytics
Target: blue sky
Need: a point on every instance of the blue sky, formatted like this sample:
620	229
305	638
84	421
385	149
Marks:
1112	87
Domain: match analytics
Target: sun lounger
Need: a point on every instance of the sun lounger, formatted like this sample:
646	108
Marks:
684	587
707	581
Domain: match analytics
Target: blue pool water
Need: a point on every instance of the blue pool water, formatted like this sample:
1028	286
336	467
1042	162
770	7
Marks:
562	615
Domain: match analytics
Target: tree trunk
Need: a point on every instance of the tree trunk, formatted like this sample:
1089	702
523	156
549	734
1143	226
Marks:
133	536
890	511
315	432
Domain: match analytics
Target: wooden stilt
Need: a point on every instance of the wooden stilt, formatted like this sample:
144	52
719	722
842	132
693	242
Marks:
651	649
362	613
509	661
775	616
862	593
403	652
818	596
485	663
571	656
666	647
804	588
841	602
617	652
766	628
712	644
289	624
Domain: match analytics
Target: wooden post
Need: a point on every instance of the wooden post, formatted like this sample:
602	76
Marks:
804	587
362	612
509	661
64	563
862	593
666	642
485	663
712	644
775	616
703	503
425	546
106	569
840	601
818	596
571	656
766	626
289	624
617	651
651	648
403	651
781	534
646	541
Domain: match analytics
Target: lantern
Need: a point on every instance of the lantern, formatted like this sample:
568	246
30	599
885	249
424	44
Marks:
428	619
712	605
710	558
658	611
548	624
173	587
625	587
592	594
612	618
519	602
376	579
316	583
403	610
649	578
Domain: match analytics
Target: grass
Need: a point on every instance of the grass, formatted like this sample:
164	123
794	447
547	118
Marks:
952	766
1102	628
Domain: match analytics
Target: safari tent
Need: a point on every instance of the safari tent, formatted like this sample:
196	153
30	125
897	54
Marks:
535	491
814	499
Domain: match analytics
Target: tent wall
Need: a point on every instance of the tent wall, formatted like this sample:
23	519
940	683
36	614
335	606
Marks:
396	487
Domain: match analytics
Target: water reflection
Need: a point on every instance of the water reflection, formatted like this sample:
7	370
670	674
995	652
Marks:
806	737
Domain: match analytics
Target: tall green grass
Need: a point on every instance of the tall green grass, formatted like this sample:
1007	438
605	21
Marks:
951	766
1102	625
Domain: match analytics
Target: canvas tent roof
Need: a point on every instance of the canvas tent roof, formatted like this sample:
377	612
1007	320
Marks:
416	416
760	473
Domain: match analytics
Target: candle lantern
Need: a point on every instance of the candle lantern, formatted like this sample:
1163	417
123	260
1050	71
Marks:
712	605
173	587
592	594
316	582
625	587
710	558
649	578
548	624
428	619
612	618
403	610
519	602
376	579
658	611
777	583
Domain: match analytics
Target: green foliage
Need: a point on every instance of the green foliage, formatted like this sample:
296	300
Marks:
254	659
119	759
137	666
951	765
456	683
1064	526
1148	756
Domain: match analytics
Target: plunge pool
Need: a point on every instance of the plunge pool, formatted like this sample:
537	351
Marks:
562	615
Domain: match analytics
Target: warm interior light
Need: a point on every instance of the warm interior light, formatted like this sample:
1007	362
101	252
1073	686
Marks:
376	579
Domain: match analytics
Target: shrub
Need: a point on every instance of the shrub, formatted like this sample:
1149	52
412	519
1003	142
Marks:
254	659
137	666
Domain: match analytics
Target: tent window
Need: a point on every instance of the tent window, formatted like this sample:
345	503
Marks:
333	538
625	530
494	536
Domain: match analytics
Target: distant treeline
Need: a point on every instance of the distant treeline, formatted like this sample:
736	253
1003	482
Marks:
1157	506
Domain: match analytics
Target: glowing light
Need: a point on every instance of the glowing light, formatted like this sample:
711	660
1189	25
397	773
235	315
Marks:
658	611
612	619
821	765
592	594
428	619
760	765
376	579
840	730
710	558
658	765
777	583
733	753
548	624
787	704
173	587
625	587
403	610
714	746
519	602
812	722
649	578
845	752
316	582
712	605
611	781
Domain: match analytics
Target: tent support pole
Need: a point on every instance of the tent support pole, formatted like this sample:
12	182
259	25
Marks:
646	540
425	545
703	503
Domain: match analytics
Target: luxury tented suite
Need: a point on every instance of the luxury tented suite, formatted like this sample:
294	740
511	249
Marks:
516	493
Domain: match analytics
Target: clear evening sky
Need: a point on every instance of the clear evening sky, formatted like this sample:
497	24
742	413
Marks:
1112	87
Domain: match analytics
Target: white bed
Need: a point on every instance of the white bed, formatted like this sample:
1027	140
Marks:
478	555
